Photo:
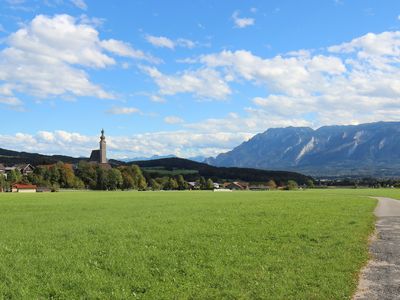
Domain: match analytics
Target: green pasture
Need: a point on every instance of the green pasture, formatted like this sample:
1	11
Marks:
184	245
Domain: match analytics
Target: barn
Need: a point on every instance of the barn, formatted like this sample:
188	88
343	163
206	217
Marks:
24	188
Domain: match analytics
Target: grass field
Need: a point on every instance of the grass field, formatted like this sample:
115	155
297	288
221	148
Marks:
183	245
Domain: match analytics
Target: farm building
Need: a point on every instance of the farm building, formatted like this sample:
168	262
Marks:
239	186
24	169
259	187
23	188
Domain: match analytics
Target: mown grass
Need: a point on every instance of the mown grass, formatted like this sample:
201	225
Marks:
183	245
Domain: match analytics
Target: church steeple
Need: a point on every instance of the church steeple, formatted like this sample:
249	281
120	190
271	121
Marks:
103	156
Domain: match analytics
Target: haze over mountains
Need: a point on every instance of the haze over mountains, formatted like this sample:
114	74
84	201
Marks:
367	149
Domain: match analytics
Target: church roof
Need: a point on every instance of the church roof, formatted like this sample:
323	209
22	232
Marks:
95	155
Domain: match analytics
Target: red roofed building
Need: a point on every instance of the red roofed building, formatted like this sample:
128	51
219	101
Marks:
23	188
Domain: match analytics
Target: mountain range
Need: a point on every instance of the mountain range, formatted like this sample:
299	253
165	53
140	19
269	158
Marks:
371	149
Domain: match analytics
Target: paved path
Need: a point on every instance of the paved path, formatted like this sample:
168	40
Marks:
380	279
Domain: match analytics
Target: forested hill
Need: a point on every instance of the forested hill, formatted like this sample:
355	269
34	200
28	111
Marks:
192	169
9	157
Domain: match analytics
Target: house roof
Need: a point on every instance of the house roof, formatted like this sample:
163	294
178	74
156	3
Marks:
23	166
240	185
21	186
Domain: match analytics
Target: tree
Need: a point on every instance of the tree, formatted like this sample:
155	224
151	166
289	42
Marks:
209	184
292	185
182	184
154	185
102	178
171	184
14	176
133	178
87	173
141	183
202	183
310	183
54	175
2	183
78	184
114	179
271	184
127	181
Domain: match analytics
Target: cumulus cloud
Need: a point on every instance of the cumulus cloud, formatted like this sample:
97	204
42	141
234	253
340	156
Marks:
48	56
292	75
203	83
353	82
173	120
242	22
164	42
160	41
123	110
180	143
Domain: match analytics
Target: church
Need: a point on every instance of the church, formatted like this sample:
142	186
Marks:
99	156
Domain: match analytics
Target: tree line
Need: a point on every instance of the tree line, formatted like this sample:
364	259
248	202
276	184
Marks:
96	177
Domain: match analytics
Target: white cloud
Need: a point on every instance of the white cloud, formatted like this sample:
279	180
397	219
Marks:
10	101
48	56
203	83
80	4
242	22
157	98
164	42
45	136
173	120
160	41
353	82
124	49
254	121
180	143
123	110
372	45
186	43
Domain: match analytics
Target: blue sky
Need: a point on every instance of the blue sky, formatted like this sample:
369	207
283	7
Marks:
190	77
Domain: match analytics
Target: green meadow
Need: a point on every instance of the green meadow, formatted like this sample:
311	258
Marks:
184	245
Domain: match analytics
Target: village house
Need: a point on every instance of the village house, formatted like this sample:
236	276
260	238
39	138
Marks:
24	169
23	188
259	187
192	185
236	186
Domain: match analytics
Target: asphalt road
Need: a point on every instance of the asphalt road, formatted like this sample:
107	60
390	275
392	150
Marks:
380	279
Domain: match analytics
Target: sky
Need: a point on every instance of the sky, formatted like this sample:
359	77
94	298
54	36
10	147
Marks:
190	78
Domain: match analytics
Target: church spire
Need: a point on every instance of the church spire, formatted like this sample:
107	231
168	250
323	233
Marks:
103	156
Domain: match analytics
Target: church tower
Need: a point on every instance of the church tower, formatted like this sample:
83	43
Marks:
103	156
